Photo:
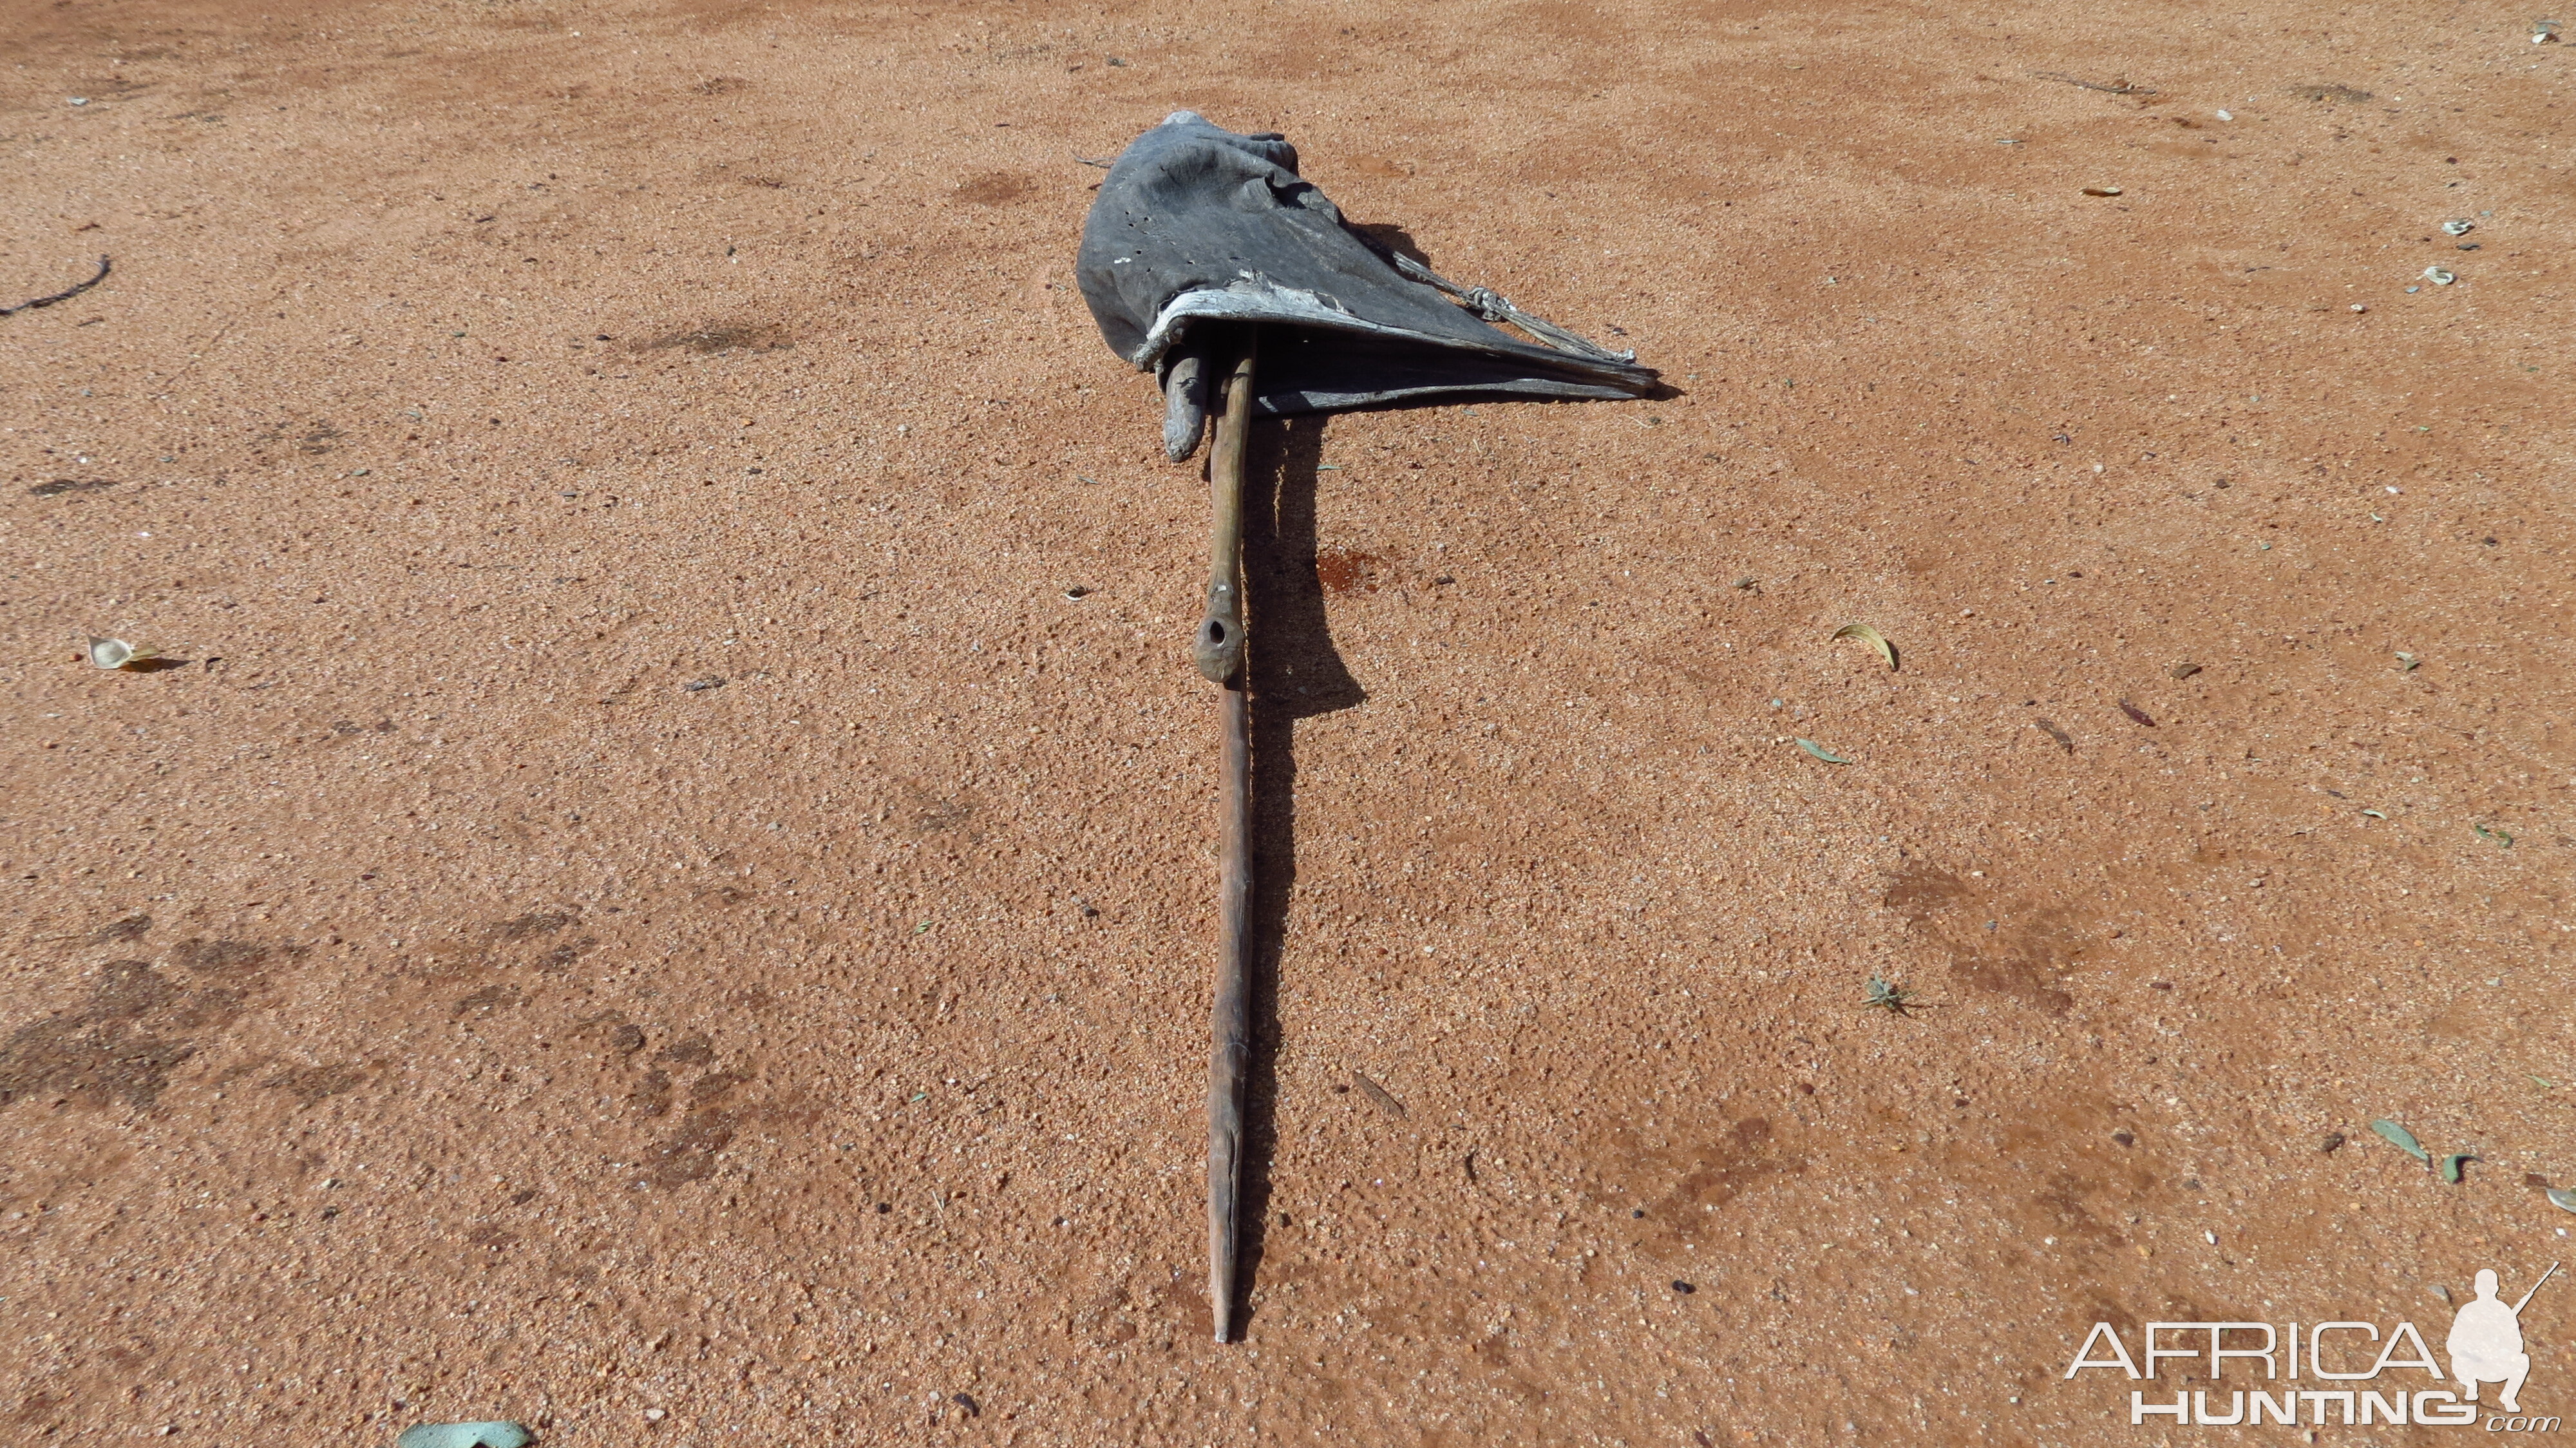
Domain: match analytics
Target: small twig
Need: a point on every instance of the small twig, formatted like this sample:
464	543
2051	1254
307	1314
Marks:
2122	89
1090	161
62	296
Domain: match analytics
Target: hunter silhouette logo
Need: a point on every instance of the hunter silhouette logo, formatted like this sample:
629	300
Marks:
2486	1341
2485	1345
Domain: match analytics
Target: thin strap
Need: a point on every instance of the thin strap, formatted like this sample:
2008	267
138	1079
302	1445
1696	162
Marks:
1494	307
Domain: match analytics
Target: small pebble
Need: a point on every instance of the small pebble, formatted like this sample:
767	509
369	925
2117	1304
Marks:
80	100
1684	1288
2358	307
2101	190
654	1415
2333	1140
2458	228
2439	277
2225	115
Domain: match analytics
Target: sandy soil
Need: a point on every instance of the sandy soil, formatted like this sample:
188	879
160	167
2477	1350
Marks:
641	903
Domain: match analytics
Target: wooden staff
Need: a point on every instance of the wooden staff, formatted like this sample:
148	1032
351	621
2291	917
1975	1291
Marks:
1219	651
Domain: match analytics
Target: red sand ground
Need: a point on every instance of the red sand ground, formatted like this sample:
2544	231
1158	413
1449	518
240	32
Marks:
422	1003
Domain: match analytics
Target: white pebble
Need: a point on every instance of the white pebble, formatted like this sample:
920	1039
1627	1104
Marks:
2226	115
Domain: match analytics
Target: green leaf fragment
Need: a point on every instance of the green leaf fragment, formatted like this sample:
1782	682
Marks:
1821	752
2402	1139
463	1435
2499	838
2451	1165
2374	814
2561	1198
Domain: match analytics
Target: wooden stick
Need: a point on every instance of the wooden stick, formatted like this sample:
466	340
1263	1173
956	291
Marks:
1218	648
1220	654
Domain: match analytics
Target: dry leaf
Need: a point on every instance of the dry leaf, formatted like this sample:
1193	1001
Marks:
117	653
1871	637
2136	714
2064	740
1384	1099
